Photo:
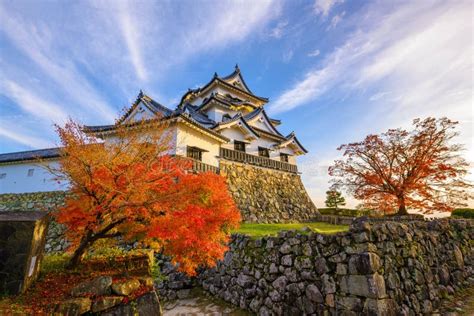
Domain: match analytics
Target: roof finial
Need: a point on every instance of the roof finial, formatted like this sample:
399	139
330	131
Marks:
215	75
237	67
140	94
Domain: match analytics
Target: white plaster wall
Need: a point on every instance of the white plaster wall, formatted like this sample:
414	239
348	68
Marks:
139	113
262	123
187	136
171	131
18	181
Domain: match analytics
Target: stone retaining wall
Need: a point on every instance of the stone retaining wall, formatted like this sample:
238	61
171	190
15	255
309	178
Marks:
39	201
376	269
267	196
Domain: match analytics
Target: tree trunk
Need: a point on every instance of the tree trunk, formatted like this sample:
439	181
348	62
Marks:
402	210
76	258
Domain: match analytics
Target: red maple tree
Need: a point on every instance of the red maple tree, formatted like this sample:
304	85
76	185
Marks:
129	187
418	169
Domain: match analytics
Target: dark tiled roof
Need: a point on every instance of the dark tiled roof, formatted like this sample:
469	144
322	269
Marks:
234	74
30	155
238	117
256	112
223	81
199	117
151	104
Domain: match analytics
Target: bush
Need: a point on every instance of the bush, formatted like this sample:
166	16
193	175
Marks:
344	212
463	213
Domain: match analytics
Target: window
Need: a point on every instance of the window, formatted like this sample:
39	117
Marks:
30	172
194	153
263	152
239	146
3	175
284	157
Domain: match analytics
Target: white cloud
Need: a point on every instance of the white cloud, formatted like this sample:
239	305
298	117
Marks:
35	42
277	31
419	55
10	132
33	104
336	20
288	55
323	7
314	53
420	59
132	38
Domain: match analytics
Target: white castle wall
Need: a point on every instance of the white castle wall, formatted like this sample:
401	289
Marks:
18	179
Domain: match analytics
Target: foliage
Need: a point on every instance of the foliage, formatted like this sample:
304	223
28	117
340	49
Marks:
345	212
129	188
463	212
259	230
401	169
54	262
334	198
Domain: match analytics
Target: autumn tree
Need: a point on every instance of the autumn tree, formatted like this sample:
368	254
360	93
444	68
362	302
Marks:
399	169
130	187
334	199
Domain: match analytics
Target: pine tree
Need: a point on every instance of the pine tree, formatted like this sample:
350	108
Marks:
334	199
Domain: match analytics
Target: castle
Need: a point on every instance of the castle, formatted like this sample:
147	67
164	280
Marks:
222	127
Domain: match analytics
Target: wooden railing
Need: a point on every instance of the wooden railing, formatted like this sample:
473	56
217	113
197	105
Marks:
243	157
199	166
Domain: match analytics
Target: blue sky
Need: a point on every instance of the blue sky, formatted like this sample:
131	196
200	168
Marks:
334	70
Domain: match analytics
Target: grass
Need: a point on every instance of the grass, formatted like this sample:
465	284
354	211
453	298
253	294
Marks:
260	230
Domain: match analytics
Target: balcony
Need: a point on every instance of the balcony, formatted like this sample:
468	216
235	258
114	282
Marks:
265	162
199	166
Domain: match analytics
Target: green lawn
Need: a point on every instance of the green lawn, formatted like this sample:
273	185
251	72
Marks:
259	230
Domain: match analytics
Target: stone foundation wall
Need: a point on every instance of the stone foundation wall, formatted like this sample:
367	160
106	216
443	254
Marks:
39	201
267	196
374	269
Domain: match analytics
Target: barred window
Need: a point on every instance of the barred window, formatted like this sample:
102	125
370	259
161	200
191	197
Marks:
239	146
31	172
194	153
284	157
263	152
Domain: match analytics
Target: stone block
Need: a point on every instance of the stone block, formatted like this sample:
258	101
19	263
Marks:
372	286
364	263
98	286
105	302
374	307
125	287
73	307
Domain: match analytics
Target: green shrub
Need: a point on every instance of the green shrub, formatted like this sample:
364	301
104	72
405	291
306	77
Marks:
54	262
344	212
463	213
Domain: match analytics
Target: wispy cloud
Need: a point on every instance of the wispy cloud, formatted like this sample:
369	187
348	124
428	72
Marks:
405	53
33	104
132	38
277	31
35	41
323	7
288	55
336	20
10	132
79	59
419	56
314	53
